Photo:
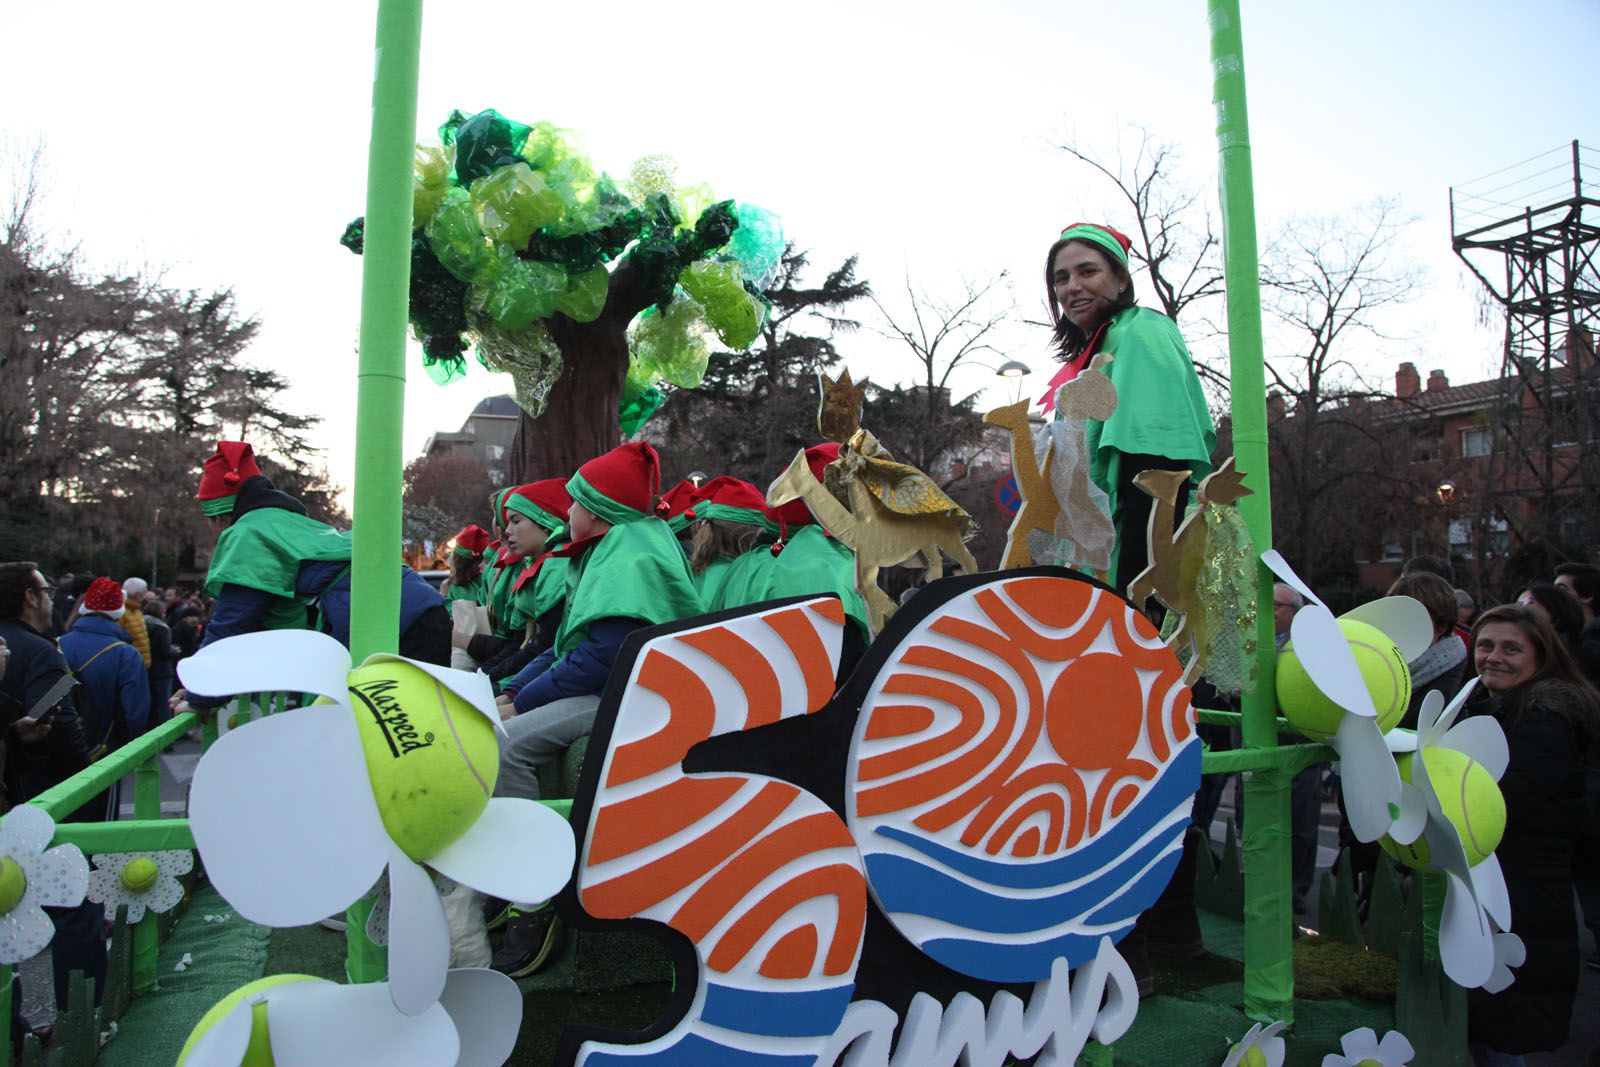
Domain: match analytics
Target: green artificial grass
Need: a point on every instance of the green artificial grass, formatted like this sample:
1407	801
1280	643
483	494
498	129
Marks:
1325	969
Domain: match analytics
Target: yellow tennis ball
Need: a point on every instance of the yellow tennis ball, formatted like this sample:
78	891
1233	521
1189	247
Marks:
259	1052
1382	667
1471	800
432	757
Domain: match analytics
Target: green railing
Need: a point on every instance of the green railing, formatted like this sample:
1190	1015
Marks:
147	831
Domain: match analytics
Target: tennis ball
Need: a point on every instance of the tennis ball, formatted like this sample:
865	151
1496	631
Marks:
13	884
259	1052
432	757
1471	800
1382	667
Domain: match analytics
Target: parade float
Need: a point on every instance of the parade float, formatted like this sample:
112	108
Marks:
929	860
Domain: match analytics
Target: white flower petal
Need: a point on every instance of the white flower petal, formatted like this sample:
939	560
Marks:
1395	1049
1509	952
1481	738
283	815
1489	886
317	1024
1324	651
1371	779
517	850
112	862
224	1045
1466	941
1280	566
164	895
58	878
1360	1044
1413	817
290	661
25	930
1428	712
419	937
1401	740
486	1007
1448	716
1402	618
173	861
470	686
26	831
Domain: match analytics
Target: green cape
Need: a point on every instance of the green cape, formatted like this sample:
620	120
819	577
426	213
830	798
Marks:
476	590
708	583
507	617
1161	410
813	562
636	570
548	588
263	550
743	581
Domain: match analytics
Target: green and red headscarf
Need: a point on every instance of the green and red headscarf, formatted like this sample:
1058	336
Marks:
545	502
730	499
471	542
620	486
231	466
680	502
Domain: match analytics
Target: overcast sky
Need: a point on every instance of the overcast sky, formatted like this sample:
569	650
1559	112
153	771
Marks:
226	143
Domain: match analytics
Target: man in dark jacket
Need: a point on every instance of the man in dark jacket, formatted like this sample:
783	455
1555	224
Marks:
44	746
162	658
109	668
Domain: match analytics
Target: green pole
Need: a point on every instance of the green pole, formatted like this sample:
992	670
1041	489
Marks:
381	394
1269	935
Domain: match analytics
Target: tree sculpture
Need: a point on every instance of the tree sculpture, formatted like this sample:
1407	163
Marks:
586	291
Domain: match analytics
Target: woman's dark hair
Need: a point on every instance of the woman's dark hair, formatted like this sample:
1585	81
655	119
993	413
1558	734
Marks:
1069	340
715	539
1566	617
1555	662
1433	593
464	570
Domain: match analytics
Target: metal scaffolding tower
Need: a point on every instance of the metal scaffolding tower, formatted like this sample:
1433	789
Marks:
1541	264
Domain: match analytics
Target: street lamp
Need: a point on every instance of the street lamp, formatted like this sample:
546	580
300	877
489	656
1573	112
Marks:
1445	491
696	477
1016	370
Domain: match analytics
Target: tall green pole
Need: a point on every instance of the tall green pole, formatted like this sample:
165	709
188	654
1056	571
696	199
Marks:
381	377
1269	935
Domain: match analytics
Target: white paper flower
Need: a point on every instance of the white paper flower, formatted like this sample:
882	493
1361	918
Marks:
1362	1048
139	880
1264	1042
1475	945
285	816
1372	795
32	878
313	1023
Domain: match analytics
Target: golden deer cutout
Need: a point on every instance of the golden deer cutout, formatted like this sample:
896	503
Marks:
1175	560
878	536
1088	396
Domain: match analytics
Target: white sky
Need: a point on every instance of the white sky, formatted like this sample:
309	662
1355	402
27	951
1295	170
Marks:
227	142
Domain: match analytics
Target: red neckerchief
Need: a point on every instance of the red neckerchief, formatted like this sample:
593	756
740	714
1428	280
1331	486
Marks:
1073	367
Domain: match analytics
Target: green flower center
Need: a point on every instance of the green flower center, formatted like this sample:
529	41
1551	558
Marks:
13	883
1369	1063
140	874
1253	1057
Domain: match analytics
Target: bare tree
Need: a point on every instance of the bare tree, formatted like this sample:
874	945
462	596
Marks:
1173	235
942	334
1327	283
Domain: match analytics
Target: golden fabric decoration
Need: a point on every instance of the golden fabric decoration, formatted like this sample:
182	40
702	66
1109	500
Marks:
900	487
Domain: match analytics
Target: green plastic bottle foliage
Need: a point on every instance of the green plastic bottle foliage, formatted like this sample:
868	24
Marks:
668	342
718	285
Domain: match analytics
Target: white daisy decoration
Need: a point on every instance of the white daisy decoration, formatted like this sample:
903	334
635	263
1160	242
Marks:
298	1021
1260	1047
1374	801
1361	1048
32	878
297	815
1476	947
139	881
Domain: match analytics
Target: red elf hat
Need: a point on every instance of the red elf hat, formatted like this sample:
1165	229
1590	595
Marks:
220	478
620	486
104	598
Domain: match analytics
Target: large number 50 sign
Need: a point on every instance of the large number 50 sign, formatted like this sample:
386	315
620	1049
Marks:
1016	792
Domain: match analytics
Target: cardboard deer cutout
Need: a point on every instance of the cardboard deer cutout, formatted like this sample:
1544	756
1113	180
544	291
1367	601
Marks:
1173	574
878	535
1058	500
